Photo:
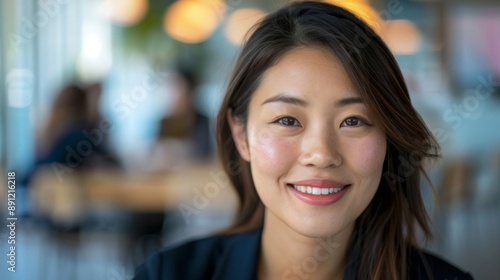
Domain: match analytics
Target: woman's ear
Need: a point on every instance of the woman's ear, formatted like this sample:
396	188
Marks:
239	135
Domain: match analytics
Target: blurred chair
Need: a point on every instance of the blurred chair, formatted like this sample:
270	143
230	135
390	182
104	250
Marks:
60	204
455	197
456	187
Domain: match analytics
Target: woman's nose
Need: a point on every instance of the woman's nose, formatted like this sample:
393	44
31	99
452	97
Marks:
320	149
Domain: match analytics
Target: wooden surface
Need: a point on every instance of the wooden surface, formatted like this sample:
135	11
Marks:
202	187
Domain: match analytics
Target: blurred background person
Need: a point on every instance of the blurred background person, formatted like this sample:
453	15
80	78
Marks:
184	133
66	143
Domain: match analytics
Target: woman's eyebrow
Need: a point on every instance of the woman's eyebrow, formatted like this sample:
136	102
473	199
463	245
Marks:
286	99
348	101
303	103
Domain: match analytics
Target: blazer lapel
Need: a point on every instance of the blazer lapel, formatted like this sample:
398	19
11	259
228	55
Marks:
238	258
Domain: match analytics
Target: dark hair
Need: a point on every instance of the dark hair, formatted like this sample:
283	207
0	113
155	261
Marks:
189	76
387	229
70	105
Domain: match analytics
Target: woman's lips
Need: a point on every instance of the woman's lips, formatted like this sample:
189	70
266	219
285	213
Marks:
319	183
319	192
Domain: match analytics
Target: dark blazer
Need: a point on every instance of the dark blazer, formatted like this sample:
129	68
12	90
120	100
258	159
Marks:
231	257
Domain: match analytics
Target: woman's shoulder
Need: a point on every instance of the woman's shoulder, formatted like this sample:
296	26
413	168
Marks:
423	261
202	258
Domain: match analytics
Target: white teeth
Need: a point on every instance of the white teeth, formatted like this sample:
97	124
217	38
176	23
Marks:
316	191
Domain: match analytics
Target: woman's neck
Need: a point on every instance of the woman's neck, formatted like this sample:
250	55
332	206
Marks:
286	254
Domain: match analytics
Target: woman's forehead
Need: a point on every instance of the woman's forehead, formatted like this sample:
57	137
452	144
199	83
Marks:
306	73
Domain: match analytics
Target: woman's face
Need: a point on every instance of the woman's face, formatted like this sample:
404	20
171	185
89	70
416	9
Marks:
315	153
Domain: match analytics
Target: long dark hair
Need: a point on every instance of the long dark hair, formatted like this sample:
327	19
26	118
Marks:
70	105
387	229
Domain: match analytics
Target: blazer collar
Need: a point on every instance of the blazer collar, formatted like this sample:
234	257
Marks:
239	258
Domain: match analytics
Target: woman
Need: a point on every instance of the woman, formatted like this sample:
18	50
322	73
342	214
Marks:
184	134
329	152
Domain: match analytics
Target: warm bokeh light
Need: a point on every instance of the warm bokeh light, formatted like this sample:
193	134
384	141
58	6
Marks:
125	12
363	10
191	21
240	22
402	36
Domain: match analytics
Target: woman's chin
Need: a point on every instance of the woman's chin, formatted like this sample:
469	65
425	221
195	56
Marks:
316	229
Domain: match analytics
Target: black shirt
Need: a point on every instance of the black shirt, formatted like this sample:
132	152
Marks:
230	257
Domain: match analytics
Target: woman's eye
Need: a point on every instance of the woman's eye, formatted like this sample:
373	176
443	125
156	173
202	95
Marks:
288	121
353	122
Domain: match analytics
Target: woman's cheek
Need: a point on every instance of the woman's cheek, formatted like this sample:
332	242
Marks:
270	152
368	156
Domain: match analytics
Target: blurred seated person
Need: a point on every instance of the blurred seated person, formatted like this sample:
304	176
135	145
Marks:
73	138
183	138
74	128
184	134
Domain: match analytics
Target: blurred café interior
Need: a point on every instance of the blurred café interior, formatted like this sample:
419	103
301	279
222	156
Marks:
107	111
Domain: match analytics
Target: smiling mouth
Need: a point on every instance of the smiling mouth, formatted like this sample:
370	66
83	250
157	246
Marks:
317	191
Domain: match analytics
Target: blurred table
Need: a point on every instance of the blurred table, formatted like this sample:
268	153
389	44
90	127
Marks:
201	188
